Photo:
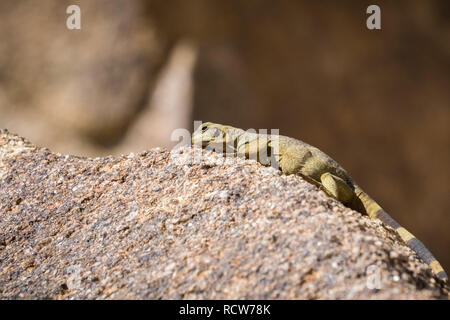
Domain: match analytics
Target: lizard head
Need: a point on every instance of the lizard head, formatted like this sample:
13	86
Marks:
208	134
217	137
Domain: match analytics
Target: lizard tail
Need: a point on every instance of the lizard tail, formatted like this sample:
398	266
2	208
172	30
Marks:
365	204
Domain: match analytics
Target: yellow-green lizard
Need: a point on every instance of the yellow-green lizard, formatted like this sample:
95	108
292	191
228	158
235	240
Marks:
293	156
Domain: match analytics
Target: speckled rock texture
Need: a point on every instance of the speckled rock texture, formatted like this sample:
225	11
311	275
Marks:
187	224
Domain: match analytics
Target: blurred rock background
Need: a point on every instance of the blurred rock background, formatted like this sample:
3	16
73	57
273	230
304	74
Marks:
376	101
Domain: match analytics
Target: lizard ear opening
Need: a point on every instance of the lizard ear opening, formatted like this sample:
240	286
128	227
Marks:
217	133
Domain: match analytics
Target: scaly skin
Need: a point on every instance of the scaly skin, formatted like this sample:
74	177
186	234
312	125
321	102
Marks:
293	156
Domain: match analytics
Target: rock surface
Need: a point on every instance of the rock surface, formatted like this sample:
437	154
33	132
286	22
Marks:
376	101
186	224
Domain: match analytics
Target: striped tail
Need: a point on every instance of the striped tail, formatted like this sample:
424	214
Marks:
367	205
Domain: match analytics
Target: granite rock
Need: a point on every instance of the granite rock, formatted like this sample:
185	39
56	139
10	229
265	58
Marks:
187	224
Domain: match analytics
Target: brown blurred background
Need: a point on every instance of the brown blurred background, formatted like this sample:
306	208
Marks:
376	101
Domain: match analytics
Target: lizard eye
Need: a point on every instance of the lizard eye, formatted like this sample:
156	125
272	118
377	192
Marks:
204	128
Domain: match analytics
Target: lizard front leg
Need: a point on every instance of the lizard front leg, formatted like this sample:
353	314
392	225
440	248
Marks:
255	147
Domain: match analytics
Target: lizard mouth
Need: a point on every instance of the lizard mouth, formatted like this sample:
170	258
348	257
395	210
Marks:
206	143
201	141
